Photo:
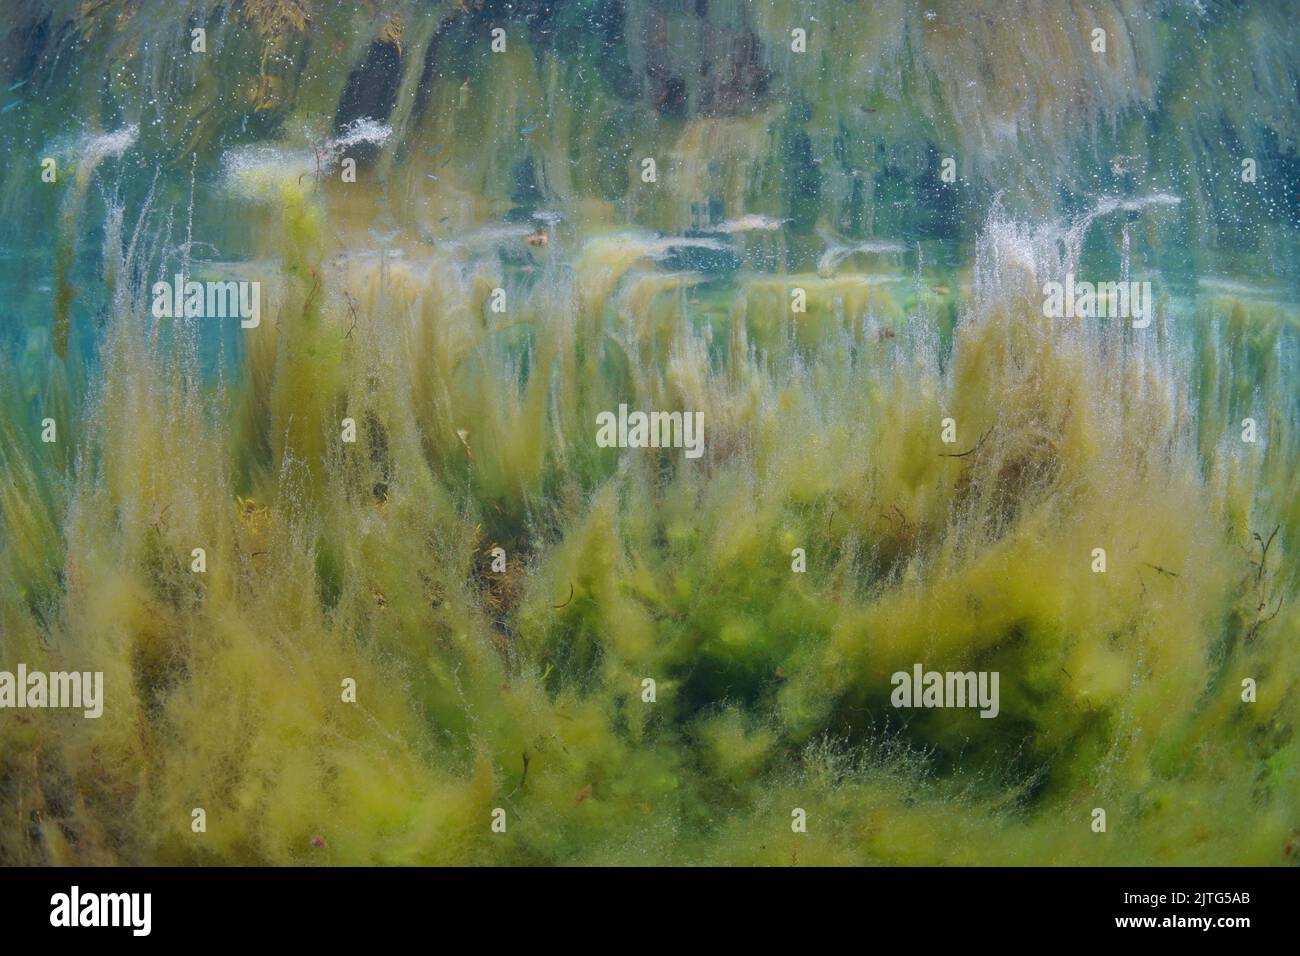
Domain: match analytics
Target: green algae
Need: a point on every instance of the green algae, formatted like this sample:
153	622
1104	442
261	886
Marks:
1123	686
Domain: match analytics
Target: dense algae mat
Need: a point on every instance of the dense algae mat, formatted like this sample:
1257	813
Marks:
522	689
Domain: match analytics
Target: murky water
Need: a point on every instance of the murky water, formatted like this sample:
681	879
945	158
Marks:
310	320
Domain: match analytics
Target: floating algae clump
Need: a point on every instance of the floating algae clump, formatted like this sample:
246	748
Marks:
364	587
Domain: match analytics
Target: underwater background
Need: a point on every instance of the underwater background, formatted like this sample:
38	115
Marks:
501	268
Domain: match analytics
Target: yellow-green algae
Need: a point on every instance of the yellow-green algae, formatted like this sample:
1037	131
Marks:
327	560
